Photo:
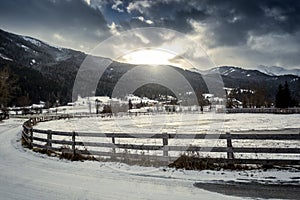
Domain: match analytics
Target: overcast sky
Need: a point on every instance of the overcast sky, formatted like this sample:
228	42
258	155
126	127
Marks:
244	33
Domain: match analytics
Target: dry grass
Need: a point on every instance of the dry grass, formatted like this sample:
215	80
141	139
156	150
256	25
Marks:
67	153
193	162
25	143
133	159
45	151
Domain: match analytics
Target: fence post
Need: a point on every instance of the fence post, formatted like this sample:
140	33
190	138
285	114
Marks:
34	122
73	143
165	144
31	137
229	147
113	148
49	138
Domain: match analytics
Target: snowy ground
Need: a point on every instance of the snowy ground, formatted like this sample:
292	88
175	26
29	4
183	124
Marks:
178	123
187	123
28	175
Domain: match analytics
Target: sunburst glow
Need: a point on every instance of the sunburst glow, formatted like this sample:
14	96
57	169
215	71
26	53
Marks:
149	57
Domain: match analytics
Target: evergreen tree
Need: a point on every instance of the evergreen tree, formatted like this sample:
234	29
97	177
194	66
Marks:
283	96
7	87
279	95
287	95
130	105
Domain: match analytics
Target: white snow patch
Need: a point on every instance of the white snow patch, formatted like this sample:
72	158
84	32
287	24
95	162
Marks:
295	79
227	72
26	48
32	62
5	58
33	41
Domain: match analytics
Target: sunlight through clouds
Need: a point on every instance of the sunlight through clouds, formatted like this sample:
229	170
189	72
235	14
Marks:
149	56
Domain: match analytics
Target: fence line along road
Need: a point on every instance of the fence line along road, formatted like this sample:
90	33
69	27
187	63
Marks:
30	136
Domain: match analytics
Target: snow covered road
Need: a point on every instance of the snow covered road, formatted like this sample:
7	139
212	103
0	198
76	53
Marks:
27	175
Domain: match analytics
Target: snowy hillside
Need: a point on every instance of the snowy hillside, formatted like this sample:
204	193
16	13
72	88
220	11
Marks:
32	52
278	71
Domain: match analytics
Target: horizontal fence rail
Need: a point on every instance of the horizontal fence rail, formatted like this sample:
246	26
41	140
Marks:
264	110
31	136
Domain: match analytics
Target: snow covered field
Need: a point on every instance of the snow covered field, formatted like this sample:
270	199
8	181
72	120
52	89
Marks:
177	123
28	175
192	123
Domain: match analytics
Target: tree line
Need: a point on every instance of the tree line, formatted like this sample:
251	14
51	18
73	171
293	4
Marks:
258	98
22	86
283	97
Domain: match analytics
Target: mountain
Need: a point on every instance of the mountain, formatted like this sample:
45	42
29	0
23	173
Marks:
42	72
277	71
38	55
237	77
34	53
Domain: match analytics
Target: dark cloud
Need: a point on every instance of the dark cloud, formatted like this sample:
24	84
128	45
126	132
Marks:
234	20
180	20
166	14
230	21
71	20
255	26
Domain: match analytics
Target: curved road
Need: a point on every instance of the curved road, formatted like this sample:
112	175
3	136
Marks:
28	175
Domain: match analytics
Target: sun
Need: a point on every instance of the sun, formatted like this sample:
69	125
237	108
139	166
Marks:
148	57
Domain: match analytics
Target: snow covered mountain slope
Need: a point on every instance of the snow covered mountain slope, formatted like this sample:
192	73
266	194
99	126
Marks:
278	71
32	52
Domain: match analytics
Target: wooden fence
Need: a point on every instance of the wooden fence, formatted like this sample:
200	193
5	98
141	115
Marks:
29	134
264	110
